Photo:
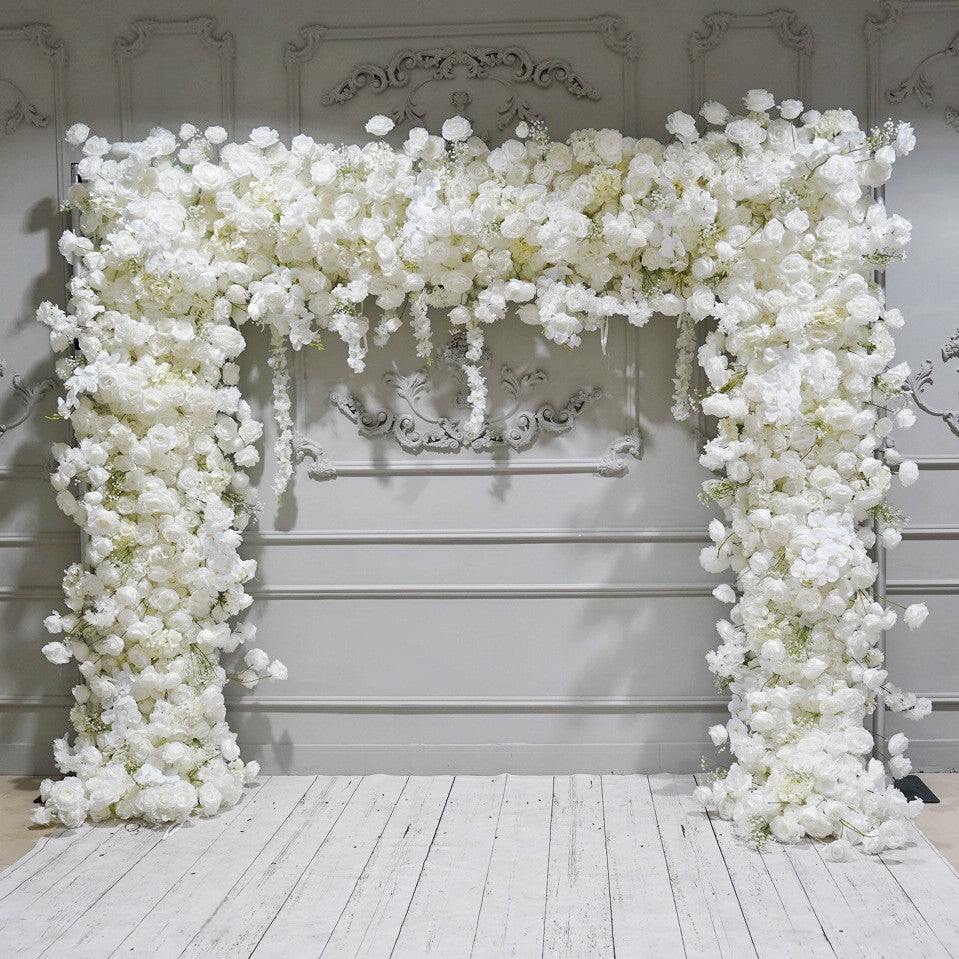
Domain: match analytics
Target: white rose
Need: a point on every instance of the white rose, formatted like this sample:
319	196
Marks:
77	134
379	125
456	129
263	137
747	133
897	744
758	101
915	615
216	135
681	125
718	734
277	670
840	850
257	659
908	472
790	109
57	653
714	112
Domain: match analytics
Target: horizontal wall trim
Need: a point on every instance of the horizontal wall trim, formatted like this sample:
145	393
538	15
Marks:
491	467
27	472
451	703
487	591
346	537
930	587
8	593
477	703
26	540
931	532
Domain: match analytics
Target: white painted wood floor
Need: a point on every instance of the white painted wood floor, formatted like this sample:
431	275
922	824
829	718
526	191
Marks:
486	867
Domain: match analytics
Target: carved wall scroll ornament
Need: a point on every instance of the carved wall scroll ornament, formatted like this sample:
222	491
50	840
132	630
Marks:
614	461
522	67
790	30
952	118
303	449
416	429
21	111
41	37
476	63
920	381
918	84
140	36
27	396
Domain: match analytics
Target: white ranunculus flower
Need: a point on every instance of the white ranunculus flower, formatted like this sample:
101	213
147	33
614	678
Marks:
379	125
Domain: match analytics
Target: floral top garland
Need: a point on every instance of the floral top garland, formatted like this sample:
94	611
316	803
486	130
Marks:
766	223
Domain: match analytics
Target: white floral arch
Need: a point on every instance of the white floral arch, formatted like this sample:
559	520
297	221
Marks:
766	222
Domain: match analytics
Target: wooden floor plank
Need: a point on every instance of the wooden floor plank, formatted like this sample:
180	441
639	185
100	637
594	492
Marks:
236	924
60	855
174	920
844	927
371	921
891	926
781	920
578	913
44	851
31	922
931	884
706	903
454	874
512	912
643	908
110	918
305	918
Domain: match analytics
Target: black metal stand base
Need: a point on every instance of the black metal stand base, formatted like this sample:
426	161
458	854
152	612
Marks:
912	787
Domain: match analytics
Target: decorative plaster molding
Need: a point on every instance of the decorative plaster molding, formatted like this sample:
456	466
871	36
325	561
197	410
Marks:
42	38
611	30
877	28
140	36
920	381
616	36
952	118
442	64
27	395
791	31
304	448
614	461
22	111
878	24
918	84
415	429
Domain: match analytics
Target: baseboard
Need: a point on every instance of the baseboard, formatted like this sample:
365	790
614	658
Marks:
478	758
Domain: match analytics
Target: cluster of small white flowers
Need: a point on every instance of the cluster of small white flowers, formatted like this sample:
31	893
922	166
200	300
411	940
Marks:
765	223
685	361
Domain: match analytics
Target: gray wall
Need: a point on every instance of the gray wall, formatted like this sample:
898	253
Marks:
460	610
